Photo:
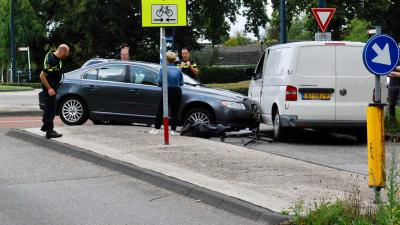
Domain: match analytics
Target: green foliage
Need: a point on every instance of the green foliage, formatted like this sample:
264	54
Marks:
214	74
238	40
206	58
357	30
95	28
376	12
14	88
351	210
298	31
392	128
32	85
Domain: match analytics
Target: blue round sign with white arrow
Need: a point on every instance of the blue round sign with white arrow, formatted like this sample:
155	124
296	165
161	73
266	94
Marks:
381	55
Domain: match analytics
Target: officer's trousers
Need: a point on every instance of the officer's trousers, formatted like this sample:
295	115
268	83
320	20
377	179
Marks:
49	112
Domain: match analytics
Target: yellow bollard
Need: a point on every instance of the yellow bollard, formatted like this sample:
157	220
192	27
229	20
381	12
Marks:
376	147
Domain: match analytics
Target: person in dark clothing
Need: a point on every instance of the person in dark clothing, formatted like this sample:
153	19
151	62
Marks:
188	66
394	93
50	77
175	82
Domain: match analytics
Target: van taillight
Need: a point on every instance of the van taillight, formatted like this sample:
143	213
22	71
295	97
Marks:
291	93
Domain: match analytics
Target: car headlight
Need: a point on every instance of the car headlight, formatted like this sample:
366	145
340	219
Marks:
233	105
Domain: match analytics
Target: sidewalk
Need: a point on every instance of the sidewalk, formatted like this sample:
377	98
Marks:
21	103
266	180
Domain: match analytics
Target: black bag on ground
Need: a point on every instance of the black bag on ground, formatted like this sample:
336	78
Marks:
203	130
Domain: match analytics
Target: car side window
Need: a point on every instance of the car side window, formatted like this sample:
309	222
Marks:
260	66
115	73
142	75
91	75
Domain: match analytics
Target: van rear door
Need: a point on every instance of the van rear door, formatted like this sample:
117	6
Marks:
354	84
315	79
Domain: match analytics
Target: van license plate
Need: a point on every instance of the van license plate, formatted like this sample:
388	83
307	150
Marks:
317	96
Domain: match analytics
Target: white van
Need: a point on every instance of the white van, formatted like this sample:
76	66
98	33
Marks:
313	85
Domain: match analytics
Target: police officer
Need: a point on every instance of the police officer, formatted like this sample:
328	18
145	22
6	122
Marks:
50	77
187	66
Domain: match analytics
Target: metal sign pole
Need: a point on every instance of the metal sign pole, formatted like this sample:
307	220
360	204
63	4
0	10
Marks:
378	91
164	84
29	65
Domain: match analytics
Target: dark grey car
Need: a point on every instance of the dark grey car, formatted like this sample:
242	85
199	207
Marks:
121	91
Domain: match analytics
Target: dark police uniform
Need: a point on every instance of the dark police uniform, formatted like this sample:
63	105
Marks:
186	69
394	93
52	66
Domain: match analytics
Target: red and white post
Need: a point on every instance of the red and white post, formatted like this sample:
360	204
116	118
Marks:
163	43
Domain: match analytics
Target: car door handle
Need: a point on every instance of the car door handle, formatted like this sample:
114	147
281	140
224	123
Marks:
134	91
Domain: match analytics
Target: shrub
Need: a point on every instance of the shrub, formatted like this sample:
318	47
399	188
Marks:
33	85
213	74
351	210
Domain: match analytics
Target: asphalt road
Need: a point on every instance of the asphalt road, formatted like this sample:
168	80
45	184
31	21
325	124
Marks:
328	149
40	186
19	101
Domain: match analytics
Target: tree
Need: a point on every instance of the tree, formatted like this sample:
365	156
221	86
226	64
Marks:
357	30
346	10
97	27
238	39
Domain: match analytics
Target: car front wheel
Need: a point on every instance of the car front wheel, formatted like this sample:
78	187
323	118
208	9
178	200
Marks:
199	115
73	111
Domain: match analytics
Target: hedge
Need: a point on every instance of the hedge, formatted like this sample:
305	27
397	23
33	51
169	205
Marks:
213	74
33	85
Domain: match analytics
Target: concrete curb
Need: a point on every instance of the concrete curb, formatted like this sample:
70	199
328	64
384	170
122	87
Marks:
21	113
216	199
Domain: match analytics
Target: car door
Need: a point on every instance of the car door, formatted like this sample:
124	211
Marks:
105	89
256	82
143	93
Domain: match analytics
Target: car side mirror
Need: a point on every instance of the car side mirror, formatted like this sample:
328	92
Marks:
249	72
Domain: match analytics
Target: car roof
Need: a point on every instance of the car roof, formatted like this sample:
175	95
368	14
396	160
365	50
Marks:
101	61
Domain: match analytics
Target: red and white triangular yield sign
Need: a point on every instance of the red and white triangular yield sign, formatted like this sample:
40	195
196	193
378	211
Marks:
323	16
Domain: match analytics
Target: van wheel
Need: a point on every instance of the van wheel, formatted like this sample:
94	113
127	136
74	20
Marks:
279	132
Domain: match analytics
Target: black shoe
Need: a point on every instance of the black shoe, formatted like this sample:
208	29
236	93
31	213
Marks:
52	134
43	129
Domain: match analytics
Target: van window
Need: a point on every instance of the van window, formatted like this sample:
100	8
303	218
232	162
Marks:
349	61
316	61
278	62
260	66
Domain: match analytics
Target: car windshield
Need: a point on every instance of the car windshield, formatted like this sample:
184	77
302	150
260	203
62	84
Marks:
189	80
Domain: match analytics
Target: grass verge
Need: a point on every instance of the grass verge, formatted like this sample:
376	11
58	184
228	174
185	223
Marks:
240	87
4	88
351	211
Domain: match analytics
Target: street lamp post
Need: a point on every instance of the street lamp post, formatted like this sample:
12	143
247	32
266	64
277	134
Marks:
283	21
12	41
26	49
